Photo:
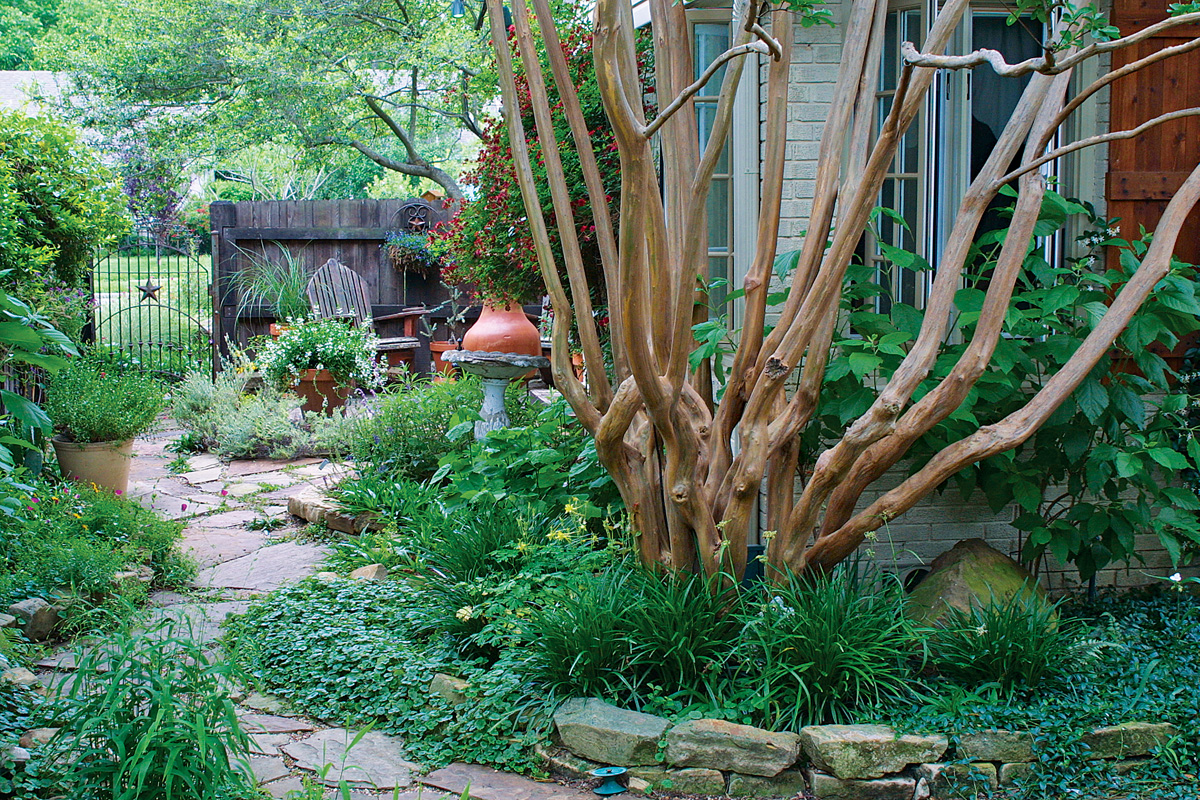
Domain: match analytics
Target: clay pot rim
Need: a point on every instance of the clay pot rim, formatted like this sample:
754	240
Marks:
114	444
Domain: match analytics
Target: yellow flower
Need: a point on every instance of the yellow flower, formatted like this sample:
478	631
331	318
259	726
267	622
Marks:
571	507
558	536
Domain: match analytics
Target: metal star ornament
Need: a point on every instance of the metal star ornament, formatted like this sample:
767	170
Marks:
149	291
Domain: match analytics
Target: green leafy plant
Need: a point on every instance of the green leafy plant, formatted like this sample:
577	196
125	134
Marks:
97	399
281	286
1018	643
73	540
147	716
347	352
549	465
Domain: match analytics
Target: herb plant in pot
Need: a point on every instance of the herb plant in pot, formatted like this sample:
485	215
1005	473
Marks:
323	360
98	407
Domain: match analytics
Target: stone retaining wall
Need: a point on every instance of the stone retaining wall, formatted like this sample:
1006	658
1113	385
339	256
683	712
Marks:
831	762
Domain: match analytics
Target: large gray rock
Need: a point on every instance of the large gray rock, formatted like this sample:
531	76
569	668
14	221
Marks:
867	751
717	744
970	574
20	676
376	760
697	780
599	731
789	783
36	617
996	745
1128	739
959	779
828	787
451	689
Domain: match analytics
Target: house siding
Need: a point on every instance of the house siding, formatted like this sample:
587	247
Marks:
935	524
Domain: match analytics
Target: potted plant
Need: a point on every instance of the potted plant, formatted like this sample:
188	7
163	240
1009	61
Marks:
323	360
278	287
410	255
98	406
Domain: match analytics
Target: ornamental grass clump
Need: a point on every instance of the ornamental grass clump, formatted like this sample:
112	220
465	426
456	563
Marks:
821	647
98	399
1018	643
347	352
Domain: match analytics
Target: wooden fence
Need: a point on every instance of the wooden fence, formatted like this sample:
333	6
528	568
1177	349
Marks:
311	232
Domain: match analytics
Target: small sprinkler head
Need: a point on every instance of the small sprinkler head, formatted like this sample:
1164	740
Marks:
610	785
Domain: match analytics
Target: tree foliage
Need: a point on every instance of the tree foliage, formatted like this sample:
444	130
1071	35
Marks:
57	201
399	82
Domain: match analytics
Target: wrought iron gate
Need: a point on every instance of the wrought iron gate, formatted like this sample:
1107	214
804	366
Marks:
153	303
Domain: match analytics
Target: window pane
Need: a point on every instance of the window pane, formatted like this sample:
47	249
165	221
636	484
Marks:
712	39
891	55
706	114
718	216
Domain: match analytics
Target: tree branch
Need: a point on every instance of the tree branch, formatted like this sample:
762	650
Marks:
690	91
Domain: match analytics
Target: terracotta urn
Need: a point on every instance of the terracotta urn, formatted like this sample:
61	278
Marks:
503	329
442	370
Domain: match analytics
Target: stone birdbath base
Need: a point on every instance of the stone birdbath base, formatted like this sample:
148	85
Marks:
497	370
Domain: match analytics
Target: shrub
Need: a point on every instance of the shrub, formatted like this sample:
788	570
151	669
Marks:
818	648
1015	643
222	417
147	716
57	201
347	352
95	399
406	435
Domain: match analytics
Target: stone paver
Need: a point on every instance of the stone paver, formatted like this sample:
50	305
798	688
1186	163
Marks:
266	569
209	547
268	744
200	621
375	760
203	476
269	723
488	784
267	769
236	518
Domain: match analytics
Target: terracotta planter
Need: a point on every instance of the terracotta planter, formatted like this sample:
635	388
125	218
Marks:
504	329
321	392
277	329
105	464
442	369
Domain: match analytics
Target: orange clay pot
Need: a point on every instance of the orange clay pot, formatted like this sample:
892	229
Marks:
503	329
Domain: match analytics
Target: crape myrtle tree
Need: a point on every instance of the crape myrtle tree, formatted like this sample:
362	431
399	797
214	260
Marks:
690	469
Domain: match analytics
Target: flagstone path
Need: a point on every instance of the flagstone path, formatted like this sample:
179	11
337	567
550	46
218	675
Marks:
229	511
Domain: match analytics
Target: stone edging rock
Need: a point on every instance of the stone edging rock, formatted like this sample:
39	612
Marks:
831	762
315	507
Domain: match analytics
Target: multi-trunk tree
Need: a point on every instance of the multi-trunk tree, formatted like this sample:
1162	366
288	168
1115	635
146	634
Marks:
691	467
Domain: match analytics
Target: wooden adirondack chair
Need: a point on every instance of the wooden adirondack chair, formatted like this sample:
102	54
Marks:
337	292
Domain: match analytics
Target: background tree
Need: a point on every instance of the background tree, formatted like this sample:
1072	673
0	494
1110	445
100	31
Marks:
690	469
401	83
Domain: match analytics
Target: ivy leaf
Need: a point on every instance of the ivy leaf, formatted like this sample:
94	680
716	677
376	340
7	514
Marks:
863	364
1092	398
1168	458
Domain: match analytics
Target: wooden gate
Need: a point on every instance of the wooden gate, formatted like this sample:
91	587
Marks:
1146	171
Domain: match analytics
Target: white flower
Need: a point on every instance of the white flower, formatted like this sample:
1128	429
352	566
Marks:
1176	577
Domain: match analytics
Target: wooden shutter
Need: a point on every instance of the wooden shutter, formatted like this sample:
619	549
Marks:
1144	172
